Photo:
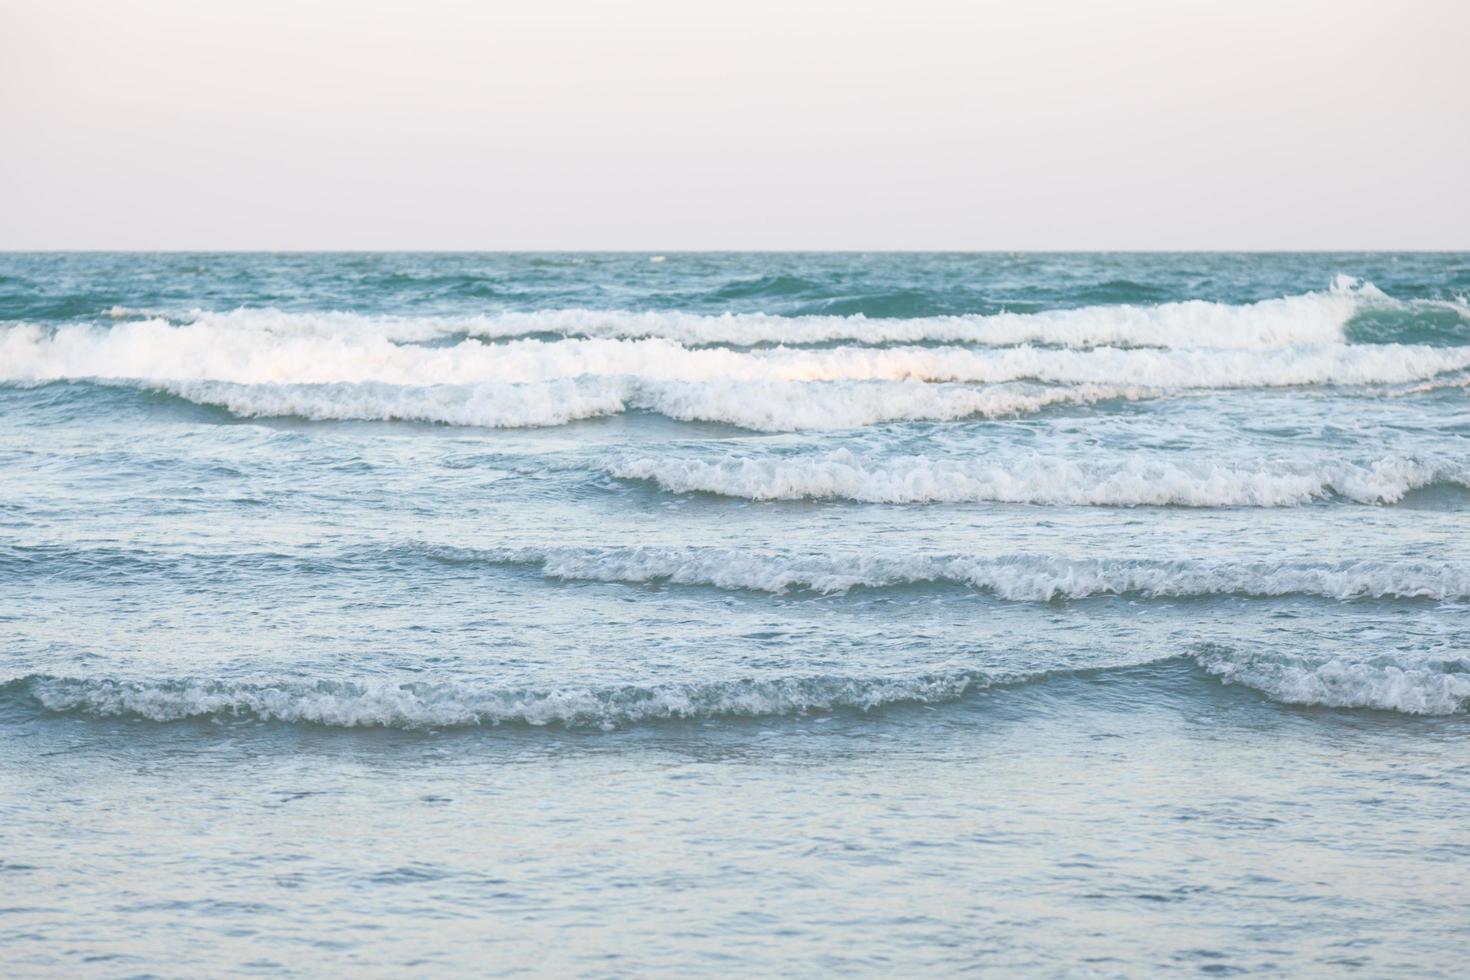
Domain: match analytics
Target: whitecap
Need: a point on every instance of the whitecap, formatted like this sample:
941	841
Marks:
1127	480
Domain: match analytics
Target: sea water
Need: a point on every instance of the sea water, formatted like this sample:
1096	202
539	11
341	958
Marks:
618	614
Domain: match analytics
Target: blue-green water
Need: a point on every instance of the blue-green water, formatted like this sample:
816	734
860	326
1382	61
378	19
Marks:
623	614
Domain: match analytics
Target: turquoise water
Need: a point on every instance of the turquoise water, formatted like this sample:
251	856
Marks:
1065	615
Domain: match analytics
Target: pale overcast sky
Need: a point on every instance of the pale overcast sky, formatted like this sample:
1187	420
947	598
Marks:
669	124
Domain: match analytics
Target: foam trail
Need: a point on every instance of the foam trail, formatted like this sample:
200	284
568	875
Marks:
1306	319
1021	578
154	350
1128	480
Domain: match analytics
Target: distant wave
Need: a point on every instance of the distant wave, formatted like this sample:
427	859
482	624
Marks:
1023	578
1119	481
1303	320
1423	686
152	350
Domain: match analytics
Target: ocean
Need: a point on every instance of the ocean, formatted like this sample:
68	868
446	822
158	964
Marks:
617	615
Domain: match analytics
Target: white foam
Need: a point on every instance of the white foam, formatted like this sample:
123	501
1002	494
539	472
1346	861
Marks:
1421	686
1417	687
770	406
369	703
159	351
1306	319
1025	578
490	405
1119	480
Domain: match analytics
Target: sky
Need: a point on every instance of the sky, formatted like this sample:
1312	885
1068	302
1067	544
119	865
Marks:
757	124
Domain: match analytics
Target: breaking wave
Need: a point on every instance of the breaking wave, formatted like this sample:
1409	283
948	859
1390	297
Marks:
1306	319
1422	687
1016	577
1427	686
1310	318
1022	578
1126	481
766	406
158	351
378	703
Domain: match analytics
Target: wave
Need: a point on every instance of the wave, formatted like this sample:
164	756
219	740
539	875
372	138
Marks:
765	406
1126	481
1420	687
1014	578
153	350
491	405
379	703
1021	578
1305	319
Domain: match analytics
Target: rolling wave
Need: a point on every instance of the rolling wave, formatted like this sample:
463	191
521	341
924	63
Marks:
764	406
1014	578
1125	480
378	703
1021	578
1422	686
157	351
1415	686
1305	319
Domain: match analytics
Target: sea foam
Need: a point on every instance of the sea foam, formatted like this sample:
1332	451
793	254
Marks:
1305	319
770	406
1121	479
1024	578
1419	686
155	350
432	705
1416	686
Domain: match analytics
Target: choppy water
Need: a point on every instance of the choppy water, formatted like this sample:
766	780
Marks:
616	614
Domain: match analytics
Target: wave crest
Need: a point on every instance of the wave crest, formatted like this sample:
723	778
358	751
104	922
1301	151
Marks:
1305	319
1422	687
1021	578
765	406
1126	482
1428	687
457	704
157	351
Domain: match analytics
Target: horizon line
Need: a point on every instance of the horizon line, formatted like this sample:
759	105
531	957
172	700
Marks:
737	251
